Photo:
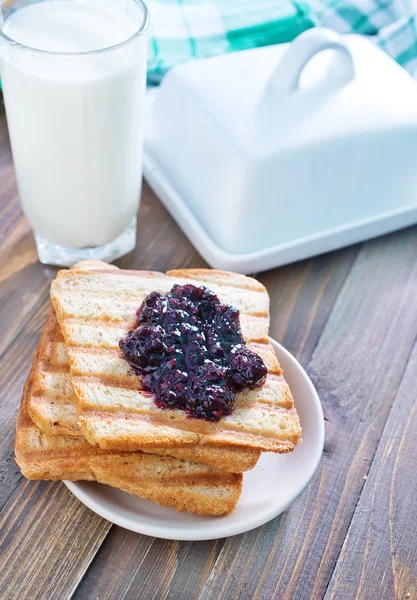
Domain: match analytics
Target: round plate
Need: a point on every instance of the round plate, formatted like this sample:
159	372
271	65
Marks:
268	490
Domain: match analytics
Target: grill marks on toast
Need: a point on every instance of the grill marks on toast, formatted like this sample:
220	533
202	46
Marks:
95	309
120	430
113	306
168	481
108	402
53	406
102	334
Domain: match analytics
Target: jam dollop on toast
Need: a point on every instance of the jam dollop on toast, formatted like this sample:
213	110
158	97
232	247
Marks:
188	348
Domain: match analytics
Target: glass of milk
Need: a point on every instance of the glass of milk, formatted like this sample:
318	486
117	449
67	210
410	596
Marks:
74	77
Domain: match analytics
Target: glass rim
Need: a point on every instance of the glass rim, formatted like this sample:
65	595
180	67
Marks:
142	28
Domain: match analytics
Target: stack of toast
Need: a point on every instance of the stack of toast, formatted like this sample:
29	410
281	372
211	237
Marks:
85	415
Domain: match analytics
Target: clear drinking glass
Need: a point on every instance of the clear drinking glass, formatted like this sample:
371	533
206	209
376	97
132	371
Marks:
76	124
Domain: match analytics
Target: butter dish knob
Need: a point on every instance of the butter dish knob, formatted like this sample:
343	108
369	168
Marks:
288	72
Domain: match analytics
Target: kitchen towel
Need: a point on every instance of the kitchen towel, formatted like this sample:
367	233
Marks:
183	30
391	24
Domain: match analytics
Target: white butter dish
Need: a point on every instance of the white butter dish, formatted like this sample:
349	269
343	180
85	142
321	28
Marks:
263	162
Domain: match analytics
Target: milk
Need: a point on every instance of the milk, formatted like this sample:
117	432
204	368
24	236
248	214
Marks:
75	120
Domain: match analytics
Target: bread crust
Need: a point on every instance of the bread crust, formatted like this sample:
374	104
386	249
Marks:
168	481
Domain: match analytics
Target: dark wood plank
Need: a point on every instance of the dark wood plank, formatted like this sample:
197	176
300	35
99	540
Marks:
302	297
195	560
134	566
47	540
14	368
125	556
161	245
24	281
320	281
379	556
24	292
356	367
163	569
10	209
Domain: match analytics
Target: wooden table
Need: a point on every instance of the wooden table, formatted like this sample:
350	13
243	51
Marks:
350	317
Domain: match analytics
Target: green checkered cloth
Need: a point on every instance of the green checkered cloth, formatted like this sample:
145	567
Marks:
391	24
183	30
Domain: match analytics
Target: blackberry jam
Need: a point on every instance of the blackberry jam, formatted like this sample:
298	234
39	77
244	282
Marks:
188	348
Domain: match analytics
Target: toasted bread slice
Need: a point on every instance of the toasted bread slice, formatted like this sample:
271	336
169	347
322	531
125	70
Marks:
52	406
96	308
168	481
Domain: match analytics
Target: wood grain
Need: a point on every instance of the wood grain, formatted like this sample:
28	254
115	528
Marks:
24	282
47	540
302	297
357	367
161	245
133	566
14	369
379	555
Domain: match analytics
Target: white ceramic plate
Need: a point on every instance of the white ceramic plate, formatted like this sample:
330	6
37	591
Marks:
268	490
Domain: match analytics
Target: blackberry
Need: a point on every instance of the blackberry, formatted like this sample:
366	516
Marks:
211	396
171	386
246	369
151	309
144	348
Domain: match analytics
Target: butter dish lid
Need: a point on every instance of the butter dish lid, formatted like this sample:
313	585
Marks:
250	94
